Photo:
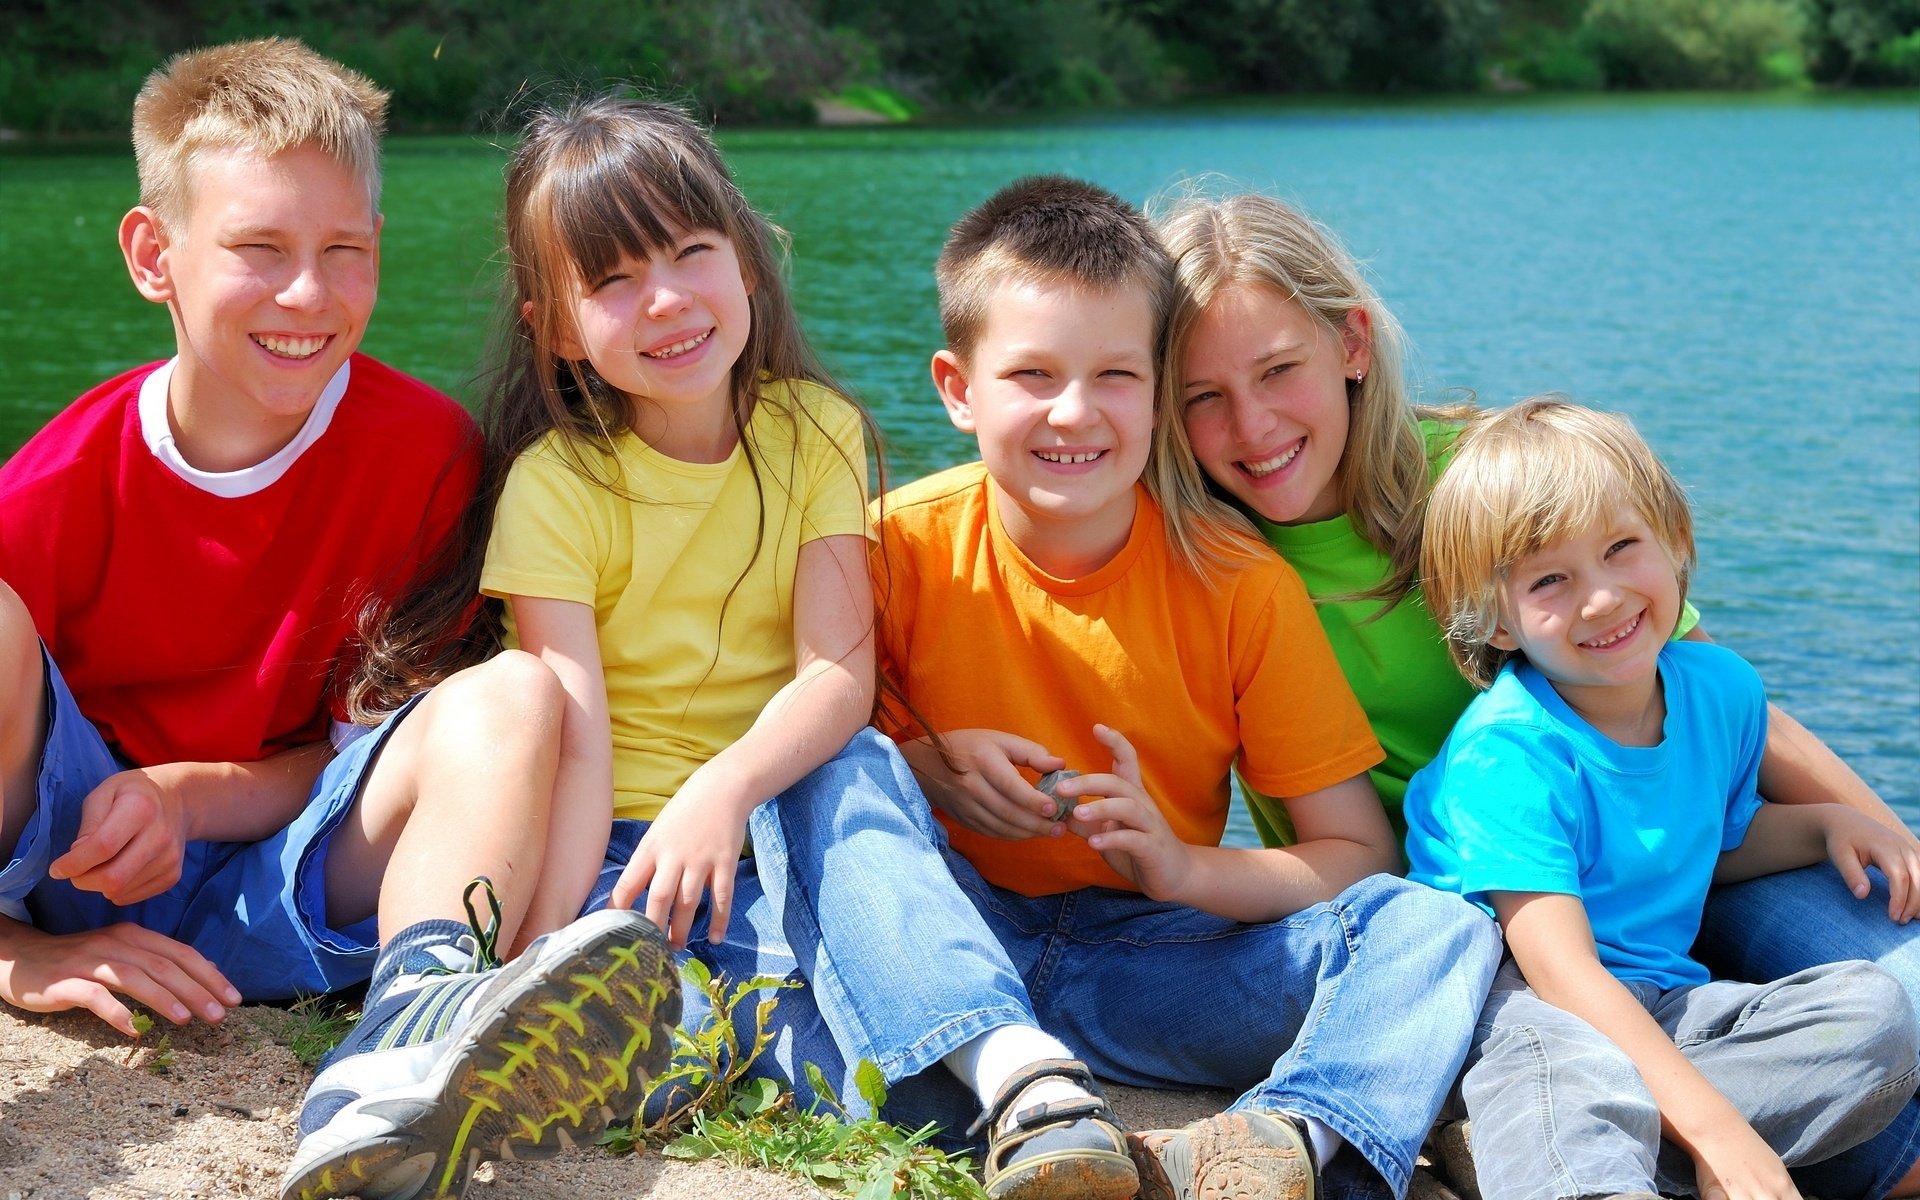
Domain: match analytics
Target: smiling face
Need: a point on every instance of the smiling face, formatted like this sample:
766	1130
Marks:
1265	388
1593	611
1059	390
270	280
667	328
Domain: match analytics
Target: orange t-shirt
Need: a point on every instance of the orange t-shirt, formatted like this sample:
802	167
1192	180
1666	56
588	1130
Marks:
1198	676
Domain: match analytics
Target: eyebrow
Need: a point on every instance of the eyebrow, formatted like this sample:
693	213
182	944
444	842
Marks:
1272	352
274	233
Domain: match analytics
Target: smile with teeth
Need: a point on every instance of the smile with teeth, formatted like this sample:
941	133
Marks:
1266	467
677	348
1055	456
282	346
1618	636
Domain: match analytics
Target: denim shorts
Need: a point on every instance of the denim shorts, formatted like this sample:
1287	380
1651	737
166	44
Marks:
257	910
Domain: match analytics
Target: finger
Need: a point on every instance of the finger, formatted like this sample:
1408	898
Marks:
633	882
184	958
666	882
1119	811
145	866
96	999
1851	873
686	906
93	847
721	911
1126	762
1027	810
1029	753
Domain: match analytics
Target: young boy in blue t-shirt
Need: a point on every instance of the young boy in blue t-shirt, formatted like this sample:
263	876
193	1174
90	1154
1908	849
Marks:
1587	799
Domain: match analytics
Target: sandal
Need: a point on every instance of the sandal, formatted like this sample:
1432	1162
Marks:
1065	1150
1231	1156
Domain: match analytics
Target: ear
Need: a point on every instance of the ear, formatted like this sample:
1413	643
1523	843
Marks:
1502	640
144	244
950	380
1356	337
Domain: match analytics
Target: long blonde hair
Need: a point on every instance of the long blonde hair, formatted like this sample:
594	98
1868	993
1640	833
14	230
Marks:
1251	239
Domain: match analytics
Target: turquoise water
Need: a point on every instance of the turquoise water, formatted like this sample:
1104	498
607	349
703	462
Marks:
1738	276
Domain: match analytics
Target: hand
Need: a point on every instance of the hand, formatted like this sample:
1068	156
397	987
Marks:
1737	1165
1856	841
692	847
1125	825
989	796
44	972
132	839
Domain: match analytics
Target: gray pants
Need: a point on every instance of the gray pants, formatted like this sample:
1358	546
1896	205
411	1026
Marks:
1817	1062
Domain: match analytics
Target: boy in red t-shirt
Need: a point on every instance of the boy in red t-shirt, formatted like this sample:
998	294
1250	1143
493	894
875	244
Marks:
193	543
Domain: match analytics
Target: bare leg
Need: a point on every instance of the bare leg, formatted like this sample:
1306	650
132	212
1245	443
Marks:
461	789
23	718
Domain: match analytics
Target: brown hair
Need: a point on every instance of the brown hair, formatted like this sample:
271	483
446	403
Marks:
588	183
266	96
1525	478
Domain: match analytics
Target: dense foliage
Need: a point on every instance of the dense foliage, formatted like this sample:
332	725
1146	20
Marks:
73	65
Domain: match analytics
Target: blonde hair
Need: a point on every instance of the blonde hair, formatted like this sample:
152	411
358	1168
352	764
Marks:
1257	241
1054	229
1523	479
266	96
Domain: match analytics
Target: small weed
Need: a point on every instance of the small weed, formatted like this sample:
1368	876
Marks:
309	1027
753	1122
161	1060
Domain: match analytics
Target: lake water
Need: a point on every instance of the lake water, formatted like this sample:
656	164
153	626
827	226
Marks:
1742	277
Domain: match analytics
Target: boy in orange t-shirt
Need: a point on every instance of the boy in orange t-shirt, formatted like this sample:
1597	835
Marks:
1043	609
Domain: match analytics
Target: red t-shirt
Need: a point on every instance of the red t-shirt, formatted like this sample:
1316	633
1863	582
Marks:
198	628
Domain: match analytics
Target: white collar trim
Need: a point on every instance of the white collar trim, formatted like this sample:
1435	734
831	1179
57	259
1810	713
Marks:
157	431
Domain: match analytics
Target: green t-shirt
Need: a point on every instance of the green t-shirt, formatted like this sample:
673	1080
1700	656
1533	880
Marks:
1397	664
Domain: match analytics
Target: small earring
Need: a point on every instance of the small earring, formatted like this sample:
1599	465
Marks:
1359	375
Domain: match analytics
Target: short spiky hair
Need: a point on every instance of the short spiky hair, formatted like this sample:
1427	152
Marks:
266	96
1535	474
1047	228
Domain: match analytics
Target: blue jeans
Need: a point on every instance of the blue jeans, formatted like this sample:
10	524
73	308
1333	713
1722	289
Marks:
958	994
1356	1012
1768	928
1812	1061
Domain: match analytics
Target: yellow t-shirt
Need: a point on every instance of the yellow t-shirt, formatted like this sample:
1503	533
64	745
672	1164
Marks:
1197	677
689	568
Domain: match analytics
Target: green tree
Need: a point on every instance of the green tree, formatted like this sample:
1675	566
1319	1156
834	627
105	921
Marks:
1696	43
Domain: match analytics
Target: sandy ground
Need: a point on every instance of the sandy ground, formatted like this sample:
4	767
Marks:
80	1117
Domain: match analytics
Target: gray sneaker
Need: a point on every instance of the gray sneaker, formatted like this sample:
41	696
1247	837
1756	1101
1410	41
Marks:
520	1061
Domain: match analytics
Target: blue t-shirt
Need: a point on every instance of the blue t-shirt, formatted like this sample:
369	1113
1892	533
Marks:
1525	796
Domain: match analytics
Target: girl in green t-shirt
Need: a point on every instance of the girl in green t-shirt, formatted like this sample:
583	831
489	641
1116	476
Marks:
1298	419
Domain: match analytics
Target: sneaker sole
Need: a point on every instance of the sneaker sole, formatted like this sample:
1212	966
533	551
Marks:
1231	1156
552	1057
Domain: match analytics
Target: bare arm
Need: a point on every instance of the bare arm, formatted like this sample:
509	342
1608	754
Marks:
135	825
1552	942
1798	768
565	636
694	844
1785	836
1344	837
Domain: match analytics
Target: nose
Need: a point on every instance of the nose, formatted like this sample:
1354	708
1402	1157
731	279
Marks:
668	297
1247	418
306	290
1603	596
1071	408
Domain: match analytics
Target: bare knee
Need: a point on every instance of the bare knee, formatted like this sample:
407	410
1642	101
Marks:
511	700
23	717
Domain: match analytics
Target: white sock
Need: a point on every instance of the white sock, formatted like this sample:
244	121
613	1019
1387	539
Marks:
988	1061
1326	1143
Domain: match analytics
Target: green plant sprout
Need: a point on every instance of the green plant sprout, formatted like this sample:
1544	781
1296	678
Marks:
722	1114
